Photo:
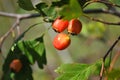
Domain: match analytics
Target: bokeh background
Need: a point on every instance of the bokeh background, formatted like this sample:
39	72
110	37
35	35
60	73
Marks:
89	46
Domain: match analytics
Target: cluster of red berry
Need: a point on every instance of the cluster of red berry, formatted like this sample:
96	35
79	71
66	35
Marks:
62	40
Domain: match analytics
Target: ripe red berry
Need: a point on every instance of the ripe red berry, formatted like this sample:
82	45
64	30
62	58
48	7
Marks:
61	41
74	26
60	25
16	65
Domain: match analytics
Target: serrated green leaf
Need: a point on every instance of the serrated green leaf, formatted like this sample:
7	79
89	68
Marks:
23	47
26	4
78	71
73	10
34	50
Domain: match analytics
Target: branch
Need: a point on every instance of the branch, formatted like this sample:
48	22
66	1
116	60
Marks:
7	33
93	11
105	56
107	3
104	22
18	17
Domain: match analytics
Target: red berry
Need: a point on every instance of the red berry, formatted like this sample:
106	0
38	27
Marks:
74	26
60	25
61	41
16	65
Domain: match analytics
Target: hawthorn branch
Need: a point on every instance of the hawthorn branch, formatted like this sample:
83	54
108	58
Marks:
104	22
106	11
18	17
7	33
107	3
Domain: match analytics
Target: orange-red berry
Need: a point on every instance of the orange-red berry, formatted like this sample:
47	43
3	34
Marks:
61	41
74	26
16	65
60	25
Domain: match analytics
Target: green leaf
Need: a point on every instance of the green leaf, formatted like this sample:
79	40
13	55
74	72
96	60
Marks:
51	12
26	4
6	76
40	7
77	71
34	50
73	10
114	74
24	74
45	10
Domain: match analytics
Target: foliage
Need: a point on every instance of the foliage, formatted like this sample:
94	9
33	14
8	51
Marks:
77	71
28	52
31	51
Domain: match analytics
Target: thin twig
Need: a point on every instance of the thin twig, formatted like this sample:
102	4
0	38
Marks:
104	22
108	3
115	58
105	56
111	48
102	69
93	11
18	27
18	17
7	33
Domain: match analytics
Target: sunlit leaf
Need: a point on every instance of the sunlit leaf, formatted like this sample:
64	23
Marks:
77	71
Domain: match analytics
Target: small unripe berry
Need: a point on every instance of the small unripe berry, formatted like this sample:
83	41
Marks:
74	27
16	65
60	25
61	41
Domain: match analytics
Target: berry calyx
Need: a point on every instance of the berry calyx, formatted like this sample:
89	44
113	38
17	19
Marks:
16	65
60	25
74	27
61	41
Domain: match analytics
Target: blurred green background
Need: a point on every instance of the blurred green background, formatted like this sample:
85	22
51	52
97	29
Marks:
90	45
